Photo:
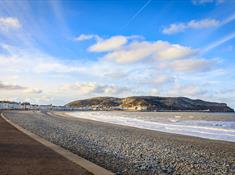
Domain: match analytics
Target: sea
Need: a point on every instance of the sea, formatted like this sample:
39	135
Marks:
217	126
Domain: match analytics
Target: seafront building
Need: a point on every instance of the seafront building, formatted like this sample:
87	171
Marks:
8	105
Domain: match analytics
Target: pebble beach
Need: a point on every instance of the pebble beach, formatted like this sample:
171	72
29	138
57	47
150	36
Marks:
129	150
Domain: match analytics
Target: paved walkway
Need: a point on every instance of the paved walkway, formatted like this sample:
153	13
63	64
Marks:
21	155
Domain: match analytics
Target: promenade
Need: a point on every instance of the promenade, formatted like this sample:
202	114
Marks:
21	155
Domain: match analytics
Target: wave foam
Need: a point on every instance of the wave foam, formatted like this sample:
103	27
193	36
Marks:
219	130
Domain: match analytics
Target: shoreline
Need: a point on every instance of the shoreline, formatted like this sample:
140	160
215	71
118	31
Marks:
174	124
56	114
129	150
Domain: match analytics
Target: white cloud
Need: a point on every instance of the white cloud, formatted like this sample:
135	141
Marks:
175	51
33	90
7	86
174	28
140	50
84	37
189	90
20	60
13	87
93	88
197	24
190	65
54	66
164	55
39	64
9	23
193	24
109	44
116	74
106	44
134	52
200	2
154	92
163	79
202	24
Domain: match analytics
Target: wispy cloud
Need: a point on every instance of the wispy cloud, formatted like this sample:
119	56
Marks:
162	79
197	24
33	90
13	87
20	60
201	2
228	19
219	42
84	88
193	24
189	90
190	65
7	86
9	23
84	37
57	9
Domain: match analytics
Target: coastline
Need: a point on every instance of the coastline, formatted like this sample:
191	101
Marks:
129	150
211	126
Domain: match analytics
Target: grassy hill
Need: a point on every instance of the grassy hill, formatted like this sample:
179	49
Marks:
152	103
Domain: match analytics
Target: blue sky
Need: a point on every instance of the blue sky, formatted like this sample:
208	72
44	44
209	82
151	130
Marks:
58	51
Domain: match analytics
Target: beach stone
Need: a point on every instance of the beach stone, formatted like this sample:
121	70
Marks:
126	150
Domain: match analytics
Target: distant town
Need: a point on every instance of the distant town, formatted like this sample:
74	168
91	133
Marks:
9	105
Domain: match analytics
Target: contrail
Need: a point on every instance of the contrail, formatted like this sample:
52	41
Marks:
137	13
220	42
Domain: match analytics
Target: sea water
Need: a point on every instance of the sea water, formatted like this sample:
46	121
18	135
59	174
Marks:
218	126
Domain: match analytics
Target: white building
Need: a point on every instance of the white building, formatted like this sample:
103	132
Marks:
9	105
45	107
26	106
34	107
136	108
3	105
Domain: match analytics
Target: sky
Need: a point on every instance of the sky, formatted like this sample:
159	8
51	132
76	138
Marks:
54	52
